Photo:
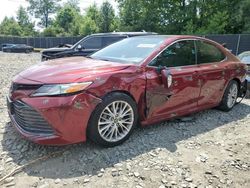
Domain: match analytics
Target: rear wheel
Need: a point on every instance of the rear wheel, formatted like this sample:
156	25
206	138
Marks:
230	96
27	51
113	120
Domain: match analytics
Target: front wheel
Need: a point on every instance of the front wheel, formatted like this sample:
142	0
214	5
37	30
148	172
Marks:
230	96
113	120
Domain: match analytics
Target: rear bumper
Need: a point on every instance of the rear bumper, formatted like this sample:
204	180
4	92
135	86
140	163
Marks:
67	116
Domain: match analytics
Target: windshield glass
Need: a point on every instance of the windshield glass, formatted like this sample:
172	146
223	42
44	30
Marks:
131	50
246	59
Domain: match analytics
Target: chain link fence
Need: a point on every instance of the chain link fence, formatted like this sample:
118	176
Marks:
236	42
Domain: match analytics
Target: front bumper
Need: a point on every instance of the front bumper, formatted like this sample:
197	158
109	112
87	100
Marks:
68	117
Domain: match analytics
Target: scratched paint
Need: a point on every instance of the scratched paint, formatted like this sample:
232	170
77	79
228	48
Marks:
78	105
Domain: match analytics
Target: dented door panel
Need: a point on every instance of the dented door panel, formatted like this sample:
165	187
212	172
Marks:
212	83
180	98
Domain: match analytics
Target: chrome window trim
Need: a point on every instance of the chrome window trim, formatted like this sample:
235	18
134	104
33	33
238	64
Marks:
196	63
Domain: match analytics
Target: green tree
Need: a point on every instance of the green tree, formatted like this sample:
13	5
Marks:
52	31
93	13
24	22
130	15
74	4
107	16
244	16
90	21
66	18
42	10
183	16
88	26
9	26
216	25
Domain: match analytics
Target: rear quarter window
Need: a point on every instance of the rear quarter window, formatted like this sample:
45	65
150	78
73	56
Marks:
208	53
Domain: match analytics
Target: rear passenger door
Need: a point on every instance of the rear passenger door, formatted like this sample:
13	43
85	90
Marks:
210	61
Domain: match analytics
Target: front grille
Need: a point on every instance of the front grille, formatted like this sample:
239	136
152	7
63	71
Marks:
30	120
17	86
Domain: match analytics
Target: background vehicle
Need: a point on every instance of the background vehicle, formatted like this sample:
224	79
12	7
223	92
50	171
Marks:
89	44
150	79
19	48
6	45
245	58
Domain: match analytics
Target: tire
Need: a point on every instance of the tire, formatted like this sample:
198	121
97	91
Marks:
103	133
230	96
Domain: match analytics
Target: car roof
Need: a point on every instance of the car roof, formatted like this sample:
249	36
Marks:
179	37
124	33
172	36
7	44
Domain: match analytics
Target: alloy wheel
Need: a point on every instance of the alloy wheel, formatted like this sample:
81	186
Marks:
116	121
232	95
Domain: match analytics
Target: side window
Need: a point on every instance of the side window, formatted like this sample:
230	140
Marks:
179	54
110	40
92	43
208	53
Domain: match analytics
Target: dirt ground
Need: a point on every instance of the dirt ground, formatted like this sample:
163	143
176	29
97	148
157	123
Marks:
211	149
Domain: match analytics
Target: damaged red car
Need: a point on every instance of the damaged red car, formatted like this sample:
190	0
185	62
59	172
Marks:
139	80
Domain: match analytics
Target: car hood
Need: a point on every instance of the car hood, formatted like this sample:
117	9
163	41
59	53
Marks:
55	50
66	70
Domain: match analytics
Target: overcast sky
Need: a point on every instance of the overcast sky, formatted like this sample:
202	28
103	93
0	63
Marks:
10	7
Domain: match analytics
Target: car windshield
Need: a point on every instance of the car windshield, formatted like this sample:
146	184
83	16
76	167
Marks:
246	59
132	50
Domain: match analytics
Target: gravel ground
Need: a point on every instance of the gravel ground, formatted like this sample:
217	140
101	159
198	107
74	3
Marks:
211	149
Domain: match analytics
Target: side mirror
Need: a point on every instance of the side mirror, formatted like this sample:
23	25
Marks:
79	47
167	78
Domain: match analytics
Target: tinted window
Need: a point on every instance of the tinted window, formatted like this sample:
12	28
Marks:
208	53
179	54
109	40
92	43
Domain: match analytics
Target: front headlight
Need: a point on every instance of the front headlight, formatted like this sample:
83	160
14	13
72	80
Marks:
60	89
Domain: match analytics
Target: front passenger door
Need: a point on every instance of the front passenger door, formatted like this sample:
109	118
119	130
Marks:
180	59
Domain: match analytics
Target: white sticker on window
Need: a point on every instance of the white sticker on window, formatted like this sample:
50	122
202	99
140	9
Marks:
146	45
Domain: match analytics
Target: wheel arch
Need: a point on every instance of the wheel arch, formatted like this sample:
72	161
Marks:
237	80
121	91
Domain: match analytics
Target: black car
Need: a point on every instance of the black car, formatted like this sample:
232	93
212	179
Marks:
89	44
18	48
6	45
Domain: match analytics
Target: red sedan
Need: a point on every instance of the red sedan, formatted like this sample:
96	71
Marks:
137	80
